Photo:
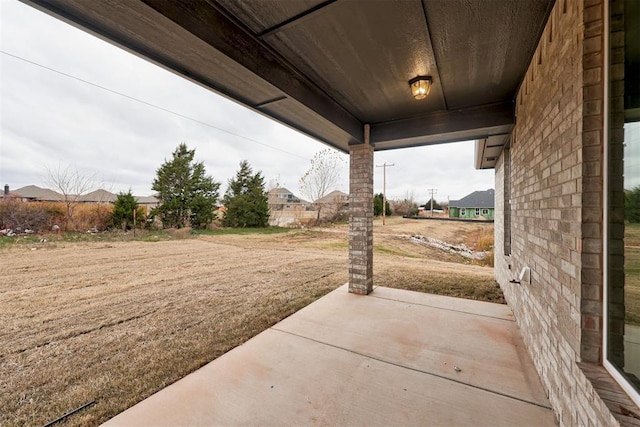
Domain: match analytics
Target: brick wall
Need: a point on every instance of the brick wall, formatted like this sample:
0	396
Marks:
556	153
361	217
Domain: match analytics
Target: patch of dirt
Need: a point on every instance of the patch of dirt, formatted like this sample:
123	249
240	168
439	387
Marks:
117	322
452	232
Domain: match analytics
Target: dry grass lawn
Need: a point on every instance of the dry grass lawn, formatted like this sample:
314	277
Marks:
114	322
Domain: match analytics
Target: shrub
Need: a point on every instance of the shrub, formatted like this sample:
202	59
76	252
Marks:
36	216
122	212
377	205
405	207
90	215
42	216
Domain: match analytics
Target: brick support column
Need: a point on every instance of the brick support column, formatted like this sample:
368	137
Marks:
361	216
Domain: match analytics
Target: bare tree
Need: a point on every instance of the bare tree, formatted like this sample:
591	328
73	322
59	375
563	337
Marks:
275	209
322	177
71	183
273	183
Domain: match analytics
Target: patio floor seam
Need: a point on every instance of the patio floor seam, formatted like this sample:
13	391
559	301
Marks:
412	369
441	308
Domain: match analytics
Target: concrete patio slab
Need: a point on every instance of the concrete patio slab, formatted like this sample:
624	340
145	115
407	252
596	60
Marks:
429	333
389	358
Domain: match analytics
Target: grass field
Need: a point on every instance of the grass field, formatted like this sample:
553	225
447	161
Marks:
632	273
115	320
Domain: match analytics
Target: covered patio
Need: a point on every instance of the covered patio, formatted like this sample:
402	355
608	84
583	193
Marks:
394	357
543	86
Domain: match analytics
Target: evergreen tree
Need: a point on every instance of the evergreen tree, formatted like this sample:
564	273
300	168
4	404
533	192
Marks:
123	207
436	205
377	205
246	199
187	195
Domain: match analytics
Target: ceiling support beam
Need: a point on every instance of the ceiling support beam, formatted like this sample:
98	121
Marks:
296	19
444	126
208	21
269	102
211	25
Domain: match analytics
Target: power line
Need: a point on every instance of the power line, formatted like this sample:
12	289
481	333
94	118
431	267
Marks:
149	104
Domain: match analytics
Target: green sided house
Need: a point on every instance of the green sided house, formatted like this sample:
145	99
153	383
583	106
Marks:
477	205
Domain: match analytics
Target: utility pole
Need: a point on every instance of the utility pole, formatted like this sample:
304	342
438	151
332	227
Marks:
384	167
433	191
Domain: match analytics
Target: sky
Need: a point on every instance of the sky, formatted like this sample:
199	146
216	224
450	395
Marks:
69	99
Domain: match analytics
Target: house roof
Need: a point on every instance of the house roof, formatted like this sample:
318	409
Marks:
147	200
477	199
328	67
333	197
37	193
98	196
280	190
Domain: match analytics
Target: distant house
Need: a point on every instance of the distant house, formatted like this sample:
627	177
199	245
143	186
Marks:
282	198
33	193
98	196
479	204
332	204
286	209
335	197
149	202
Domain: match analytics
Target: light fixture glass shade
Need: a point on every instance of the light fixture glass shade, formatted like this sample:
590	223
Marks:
420	86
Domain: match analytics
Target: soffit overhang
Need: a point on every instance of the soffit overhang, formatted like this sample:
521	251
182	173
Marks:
326	68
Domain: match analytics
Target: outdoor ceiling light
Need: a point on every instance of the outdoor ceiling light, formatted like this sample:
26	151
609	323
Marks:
420	86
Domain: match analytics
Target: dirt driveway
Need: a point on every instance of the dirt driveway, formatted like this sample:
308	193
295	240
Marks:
112	323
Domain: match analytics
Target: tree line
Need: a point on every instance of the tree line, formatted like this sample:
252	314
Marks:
189	197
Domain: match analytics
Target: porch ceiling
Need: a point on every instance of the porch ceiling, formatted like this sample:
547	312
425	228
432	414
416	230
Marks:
328	67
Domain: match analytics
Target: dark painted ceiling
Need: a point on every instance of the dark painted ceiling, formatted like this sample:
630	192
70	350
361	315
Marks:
329	67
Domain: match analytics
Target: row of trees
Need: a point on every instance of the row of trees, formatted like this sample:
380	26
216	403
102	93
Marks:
189	197
405	206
